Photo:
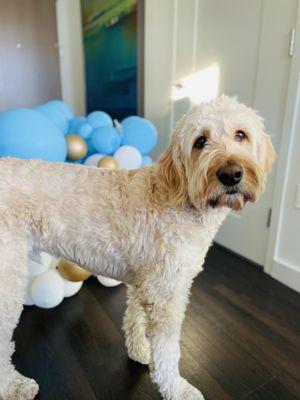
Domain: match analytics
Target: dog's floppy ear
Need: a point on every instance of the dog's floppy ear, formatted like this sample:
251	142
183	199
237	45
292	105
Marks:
266	153
172	172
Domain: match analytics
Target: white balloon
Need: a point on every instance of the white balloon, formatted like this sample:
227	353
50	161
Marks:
71	288
36	268
48	260
47	289
108	281
40	262
92	160
28	300
128	157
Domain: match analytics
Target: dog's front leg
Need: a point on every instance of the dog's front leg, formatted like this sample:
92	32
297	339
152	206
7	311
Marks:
13	280
134	327
165	314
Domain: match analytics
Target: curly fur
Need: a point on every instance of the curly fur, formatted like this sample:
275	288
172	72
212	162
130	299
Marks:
150	228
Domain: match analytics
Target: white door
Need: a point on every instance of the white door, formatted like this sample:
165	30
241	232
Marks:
249	41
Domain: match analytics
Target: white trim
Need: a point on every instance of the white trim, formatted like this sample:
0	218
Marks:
288	132
174	59
195	35
287	274
258	53
71	58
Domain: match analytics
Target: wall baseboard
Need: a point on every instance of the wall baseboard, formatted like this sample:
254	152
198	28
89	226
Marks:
286	274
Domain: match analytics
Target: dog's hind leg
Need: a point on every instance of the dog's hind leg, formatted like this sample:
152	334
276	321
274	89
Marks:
13	279
134	327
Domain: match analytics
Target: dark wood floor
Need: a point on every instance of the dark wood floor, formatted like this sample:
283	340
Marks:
240	340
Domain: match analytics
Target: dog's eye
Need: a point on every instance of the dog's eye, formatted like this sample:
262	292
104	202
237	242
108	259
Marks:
240	136
200	142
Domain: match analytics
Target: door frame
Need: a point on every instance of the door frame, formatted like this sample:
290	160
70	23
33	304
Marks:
273	266
71	58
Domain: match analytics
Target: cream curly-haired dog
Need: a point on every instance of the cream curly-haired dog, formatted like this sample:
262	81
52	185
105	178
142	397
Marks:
150	228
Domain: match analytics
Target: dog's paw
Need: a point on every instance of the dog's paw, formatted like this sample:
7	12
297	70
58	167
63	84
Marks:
140	353
187	392
182	390
19	388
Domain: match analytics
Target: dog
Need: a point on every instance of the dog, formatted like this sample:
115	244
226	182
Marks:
150	228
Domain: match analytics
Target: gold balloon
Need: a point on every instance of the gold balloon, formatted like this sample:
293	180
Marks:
71	271
77	148
108	162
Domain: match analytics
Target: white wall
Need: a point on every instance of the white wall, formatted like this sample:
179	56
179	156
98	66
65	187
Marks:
286	260
170	45
69	29
284	246
283	258
289	235
159	19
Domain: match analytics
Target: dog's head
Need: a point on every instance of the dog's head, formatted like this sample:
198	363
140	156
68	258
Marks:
219	156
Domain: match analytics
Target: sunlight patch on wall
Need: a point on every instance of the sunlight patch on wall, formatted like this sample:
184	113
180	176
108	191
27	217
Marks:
202	85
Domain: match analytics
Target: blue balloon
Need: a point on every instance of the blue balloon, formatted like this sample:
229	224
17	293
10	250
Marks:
140	133
84	130
27	133
105	140
129	120
91	148
146	160
63	107
99	118
56	116
74	124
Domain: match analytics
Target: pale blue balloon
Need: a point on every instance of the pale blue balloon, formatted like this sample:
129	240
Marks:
139	133
84	130
105	140
55	115
63	107
146	160
91	148
74	124
27	133
99	118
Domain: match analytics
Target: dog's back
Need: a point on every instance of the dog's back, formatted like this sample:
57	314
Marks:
59	203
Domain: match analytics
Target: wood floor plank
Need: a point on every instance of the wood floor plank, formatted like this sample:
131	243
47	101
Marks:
245	331
43	353
272	390
273	323
265	292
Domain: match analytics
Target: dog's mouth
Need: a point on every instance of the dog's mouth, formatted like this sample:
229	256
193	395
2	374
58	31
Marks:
231	191
232	197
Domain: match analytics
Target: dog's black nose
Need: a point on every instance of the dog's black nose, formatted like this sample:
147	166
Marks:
230	174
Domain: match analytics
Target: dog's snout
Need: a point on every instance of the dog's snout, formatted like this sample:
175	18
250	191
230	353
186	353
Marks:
230	174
